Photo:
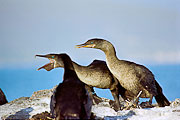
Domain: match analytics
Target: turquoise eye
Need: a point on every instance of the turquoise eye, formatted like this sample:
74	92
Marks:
91	42
52	56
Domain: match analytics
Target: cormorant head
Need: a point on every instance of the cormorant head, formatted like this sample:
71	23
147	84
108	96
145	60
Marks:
95	43
55	61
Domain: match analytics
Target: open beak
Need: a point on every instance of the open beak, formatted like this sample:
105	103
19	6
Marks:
85	45
49	66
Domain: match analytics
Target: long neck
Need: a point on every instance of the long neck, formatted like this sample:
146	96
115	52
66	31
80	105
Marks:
110	53
76	66
69	72
80	70
68	68
68	75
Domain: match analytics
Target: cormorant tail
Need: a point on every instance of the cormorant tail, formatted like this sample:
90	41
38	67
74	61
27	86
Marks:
160	98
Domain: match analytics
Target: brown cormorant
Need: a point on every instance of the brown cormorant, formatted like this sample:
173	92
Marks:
133	77
70	99
95	74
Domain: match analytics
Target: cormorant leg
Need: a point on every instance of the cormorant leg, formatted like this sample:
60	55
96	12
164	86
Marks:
94	97
147	104
150	100
115	94
89	89
135	101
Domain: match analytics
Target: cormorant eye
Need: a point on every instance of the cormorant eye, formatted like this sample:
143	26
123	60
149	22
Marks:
52	56
91	42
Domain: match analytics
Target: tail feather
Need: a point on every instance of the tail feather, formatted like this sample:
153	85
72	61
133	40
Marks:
160	98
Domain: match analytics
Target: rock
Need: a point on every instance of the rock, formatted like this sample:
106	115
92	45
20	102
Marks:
37	107
3	99
26	107
175	103
41	116
43	93
22	114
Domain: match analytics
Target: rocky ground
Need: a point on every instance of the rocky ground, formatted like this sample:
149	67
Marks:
36	107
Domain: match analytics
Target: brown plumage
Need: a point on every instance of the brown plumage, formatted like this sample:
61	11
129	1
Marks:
95	74
133	77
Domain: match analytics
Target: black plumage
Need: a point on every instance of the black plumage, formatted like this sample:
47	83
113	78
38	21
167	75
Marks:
70	99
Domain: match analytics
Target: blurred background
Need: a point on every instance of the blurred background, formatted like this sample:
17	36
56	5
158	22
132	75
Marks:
145	32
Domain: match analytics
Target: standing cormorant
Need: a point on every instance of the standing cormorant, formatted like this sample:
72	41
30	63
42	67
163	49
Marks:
70	100
133	77
95	74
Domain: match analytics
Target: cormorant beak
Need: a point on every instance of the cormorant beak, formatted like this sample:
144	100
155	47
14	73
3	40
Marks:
48	66
85	45
46	56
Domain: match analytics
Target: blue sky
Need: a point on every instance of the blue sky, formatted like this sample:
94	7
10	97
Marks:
146	32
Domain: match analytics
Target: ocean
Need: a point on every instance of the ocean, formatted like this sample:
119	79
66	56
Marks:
17	83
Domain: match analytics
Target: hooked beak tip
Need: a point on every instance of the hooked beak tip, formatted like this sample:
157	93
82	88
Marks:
35	56
41	56
78	46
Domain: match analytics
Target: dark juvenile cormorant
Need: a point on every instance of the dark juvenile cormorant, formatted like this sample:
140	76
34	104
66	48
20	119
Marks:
133	77
96	74
70	99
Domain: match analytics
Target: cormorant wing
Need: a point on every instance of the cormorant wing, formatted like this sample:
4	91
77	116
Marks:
88	104
52	105
98	64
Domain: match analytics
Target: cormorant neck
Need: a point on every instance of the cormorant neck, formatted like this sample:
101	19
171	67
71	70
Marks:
68	65
75	65
69	74
109	51
69	70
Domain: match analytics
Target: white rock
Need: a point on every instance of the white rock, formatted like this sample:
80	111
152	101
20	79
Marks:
26	107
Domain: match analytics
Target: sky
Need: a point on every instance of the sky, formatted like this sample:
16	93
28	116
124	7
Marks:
142	31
